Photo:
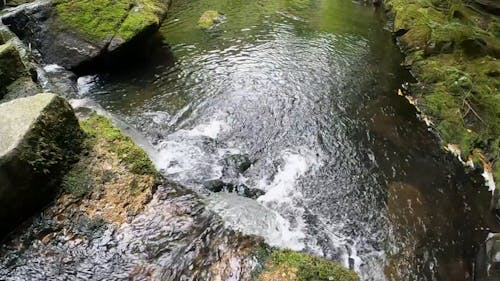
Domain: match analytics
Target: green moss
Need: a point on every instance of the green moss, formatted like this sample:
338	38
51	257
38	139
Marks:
78	181
309	268
134	158
102	19
11	67
139	19
208	19
96	19
51	152
458	71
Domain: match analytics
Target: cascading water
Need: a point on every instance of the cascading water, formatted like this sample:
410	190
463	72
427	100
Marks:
304	91
307	91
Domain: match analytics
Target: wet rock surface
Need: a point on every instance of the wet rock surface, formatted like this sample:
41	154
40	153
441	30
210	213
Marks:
39	139
488	259
114	222
175	238
240	189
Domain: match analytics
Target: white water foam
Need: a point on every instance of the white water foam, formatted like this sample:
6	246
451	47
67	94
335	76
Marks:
52	68
489	180
188	155
211	129
285	199
282	188
86	84
252	218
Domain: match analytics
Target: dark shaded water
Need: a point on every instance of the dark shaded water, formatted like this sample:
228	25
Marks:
307	90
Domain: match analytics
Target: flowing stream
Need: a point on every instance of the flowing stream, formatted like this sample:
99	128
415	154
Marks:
305	92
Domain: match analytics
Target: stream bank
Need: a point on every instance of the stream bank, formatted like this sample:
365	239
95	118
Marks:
117	219
452	48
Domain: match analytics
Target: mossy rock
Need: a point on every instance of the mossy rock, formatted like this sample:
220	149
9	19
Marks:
287	265
209	18
115	20
131	155
40	138
21	88
11	66
97	27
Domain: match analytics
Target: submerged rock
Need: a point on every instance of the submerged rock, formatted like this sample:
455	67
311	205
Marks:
238	162
209	18
240	189
39	139
69	33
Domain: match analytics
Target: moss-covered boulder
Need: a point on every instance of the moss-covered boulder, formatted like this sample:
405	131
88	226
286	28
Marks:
71	32
11	67
39	140
16	71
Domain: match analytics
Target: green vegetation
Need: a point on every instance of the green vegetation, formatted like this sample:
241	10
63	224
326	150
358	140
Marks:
290	265
78	181
134	158
453	50
96	19
51	152
148	14
102	140
102	19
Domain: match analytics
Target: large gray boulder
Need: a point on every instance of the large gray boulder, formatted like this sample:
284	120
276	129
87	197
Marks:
40	138
72	32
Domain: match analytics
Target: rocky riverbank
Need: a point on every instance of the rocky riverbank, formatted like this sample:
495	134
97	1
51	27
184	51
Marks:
117	218
452	48
113	216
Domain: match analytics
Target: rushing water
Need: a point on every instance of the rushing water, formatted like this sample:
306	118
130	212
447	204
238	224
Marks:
307	91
